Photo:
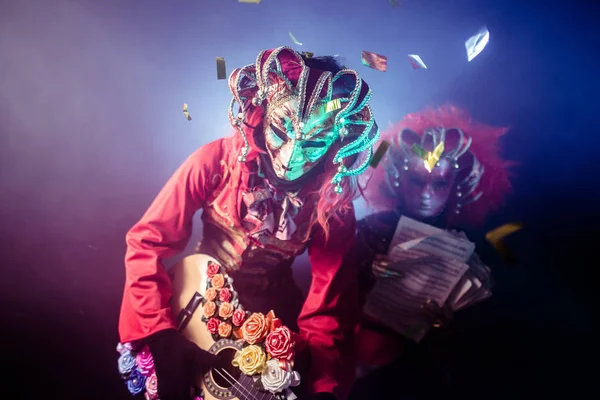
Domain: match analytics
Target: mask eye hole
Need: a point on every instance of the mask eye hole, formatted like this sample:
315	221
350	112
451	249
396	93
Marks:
280	134
313	145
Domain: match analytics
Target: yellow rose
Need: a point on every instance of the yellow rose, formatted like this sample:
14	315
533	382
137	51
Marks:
251	360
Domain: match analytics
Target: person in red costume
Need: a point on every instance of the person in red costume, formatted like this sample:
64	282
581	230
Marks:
282	184
468	182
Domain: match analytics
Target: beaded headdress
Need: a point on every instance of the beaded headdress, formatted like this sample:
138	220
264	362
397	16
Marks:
468	168
281	74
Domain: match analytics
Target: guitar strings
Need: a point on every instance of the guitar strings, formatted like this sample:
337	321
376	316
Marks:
252	397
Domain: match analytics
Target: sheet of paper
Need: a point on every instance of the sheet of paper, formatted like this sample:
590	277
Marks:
396	301
413	235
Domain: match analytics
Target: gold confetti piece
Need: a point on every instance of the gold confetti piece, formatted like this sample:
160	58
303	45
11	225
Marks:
221	71
375	61
308	54
295	40
249	1
381	150
185	112
333	105
496	239
416	62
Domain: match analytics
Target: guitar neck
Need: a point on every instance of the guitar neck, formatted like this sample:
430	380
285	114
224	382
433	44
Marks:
246	390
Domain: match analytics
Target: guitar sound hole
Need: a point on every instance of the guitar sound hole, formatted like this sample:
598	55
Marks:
225	379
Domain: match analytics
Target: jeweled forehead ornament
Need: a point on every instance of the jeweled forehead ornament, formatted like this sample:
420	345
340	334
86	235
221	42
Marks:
466	188
280	75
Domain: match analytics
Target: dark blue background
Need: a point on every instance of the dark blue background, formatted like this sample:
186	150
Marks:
91	127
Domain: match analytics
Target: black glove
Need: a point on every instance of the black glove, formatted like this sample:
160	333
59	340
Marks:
319	396
179	363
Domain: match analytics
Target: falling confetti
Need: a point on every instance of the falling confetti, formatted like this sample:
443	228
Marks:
295	40
381	150
496	239
416	62
221	72
476	43
185	112
249	1
375	61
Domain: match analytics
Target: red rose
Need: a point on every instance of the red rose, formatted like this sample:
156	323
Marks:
279	343
213	326
239	316
212	269
225	295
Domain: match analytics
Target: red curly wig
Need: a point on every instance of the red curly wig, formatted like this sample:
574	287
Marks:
494	184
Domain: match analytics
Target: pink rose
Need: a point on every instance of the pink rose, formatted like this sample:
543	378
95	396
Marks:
152	387
213	326
239	316
279	343
212	269
225	295
145	361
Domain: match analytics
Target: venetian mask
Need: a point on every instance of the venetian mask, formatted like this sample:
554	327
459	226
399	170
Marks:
428	173
425	194
295	148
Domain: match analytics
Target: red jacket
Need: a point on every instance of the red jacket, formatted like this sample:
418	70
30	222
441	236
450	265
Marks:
211	179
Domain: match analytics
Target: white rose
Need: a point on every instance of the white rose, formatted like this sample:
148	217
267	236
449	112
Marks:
276	379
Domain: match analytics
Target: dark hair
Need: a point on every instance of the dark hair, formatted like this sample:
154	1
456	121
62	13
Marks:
324	63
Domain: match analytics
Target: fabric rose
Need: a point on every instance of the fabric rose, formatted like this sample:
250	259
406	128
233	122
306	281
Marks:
250	360
218	281
255	328
224	329
225	310
209	309
239	316
126	363
213	326
225	295
136	382
279	343
212	269
145	361
151	387
210	294
278	376
123	347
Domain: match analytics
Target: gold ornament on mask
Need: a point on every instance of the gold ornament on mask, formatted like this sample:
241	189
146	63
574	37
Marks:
430	158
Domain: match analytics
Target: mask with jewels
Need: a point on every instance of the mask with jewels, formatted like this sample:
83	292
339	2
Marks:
306	111
425	171
441	164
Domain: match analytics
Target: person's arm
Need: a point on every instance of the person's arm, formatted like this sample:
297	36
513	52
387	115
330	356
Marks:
163	231
330	313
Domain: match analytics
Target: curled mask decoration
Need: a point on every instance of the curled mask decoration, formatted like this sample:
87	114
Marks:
434	145
332	107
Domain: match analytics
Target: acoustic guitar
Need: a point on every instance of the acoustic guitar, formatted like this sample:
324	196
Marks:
189	285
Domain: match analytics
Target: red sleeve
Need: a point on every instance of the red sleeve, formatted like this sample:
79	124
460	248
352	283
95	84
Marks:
331	311
163	231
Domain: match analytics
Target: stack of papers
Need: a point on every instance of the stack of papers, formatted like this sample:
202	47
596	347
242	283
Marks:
426	264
